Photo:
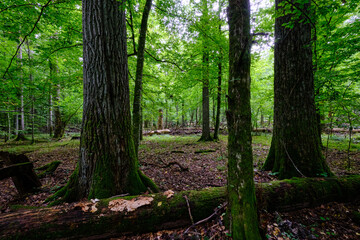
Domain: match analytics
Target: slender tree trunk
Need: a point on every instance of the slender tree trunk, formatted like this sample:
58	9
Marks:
31	93
20	123
242	211
9	123
205	136
108	163
17	124
160	120
50	123
166	113
177	114
183	114
295	148
196	117
59	126
139	75
218	109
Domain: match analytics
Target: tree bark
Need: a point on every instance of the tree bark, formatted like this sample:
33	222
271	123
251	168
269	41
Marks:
205	136
139	75
242	212
218	108
21	127
108	164
165	213
295	147
59	126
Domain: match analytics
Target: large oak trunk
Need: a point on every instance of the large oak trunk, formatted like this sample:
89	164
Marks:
295	148
163	212
108	164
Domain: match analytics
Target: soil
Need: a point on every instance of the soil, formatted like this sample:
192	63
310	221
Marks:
177	165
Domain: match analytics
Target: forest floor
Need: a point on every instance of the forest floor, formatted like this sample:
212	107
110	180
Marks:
182	163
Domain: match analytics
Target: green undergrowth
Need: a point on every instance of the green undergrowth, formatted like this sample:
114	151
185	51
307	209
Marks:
42	146
341	142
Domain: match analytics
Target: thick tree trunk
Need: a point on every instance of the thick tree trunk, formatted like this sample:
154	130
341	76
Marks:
164	213
139	75
240	186
295	148
108	164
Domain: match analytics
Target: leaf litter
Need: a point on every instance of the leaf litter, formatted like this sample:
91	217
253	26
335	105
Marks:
206	169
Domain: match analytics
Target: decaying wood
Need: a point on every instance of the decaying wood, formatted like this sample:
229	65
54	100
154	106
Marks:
158	132
48	168
162	211
21	172
14	170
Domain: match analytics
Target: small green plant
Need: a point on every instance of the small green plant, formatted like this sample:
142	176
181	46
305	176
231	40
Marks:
221	167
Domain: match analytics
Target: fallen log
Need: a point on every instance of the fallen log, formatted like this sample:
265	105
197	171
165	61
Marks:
113	217
15	169
23	174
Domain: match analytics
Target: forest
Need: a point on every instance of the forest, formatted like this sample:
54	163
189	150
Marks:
190	119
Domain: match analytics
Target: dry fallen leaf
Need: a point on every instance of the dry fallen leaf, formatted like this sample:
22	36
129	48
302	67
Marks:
86	206
120	205
169	193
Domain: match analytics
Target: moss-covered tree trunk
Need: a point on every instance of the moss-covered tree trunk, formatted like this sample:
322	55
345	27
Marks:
139	75
295	148
108	164
241	189
205	136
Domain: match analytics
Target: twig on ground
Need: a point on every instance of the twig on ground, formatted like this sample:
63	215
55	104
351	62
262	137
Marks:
216	212
188	205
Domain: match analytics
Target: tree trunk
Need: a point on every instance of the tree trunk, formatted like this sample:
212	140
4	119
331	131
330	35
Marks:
108	164
205	136
50	123
295	147
59	126
165	213
183	114
9	123
218	109
160	120
20	123
242	212
139	75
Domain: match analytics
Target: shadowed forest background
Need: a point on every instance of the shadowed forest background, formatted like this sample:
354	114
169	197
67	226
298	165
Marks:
180	102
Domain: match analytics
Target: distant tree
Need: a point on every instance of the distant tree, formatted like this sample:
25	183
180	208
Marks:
205	136
295	147
240	184
108	164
